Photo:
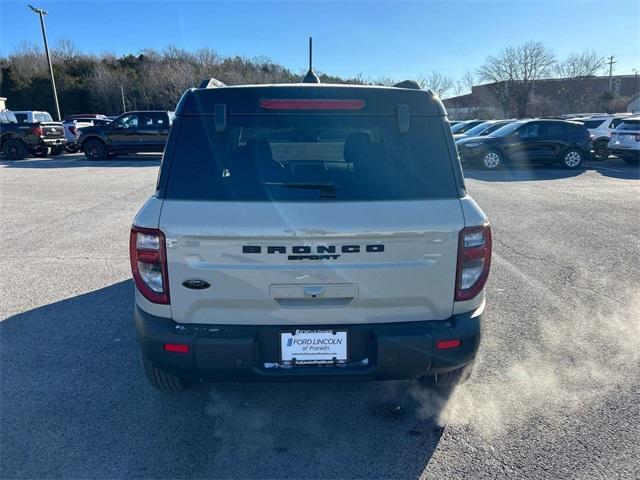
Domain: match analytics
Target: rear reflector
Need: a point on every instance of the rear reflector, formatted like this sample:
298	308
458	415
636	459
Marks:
303	104
446	344
176	347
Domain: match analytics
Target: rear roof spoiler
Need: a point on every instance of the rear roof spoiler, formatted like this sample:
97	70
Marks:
211	83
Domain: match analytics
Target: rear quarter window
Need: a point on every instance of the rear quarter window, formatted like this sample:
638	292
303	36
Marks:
310	158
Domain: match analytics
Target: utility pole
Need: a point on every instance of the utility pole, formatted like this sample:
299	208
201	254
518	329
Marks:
41	13
124	105
611	61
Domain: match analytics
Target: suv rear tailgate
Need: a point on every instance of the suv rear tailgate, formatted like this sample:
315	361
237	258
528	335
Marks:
327	263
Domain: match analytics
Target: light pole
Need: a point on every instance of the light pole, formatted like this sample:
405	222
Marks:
41	14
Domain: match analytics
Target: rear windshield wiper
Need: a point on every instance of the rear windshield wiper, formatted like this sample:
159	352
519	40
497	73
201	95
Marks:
327	190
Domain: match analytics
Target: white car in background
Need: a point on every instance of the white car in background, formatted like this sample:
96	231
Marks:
625	140
601	127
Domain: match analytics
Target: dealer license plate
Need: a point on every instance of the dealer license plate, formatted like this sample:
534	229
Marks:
313	346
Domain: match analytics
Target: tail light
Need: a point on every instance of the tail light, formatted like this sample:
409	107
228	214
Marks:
37	131
72	130
149	263
474	261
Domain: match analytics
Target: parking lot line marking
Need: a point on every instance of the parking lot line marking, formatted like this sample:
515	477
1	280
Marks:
597	167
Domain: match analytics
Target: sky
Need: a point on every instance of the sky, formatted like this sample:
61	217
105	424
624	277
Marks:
395	39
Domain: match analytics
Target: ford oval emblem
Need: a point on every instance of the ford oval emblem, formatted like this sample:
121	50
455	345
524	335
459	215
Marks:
196	284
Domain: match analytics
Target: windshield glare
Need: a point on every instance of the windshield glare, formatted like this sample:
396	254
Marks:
506	130
478	129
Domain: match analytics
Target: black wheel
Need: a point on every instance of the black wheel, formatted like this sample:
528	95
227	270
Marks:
600	150
14	149
448	379
56	151
631	160
95	149
572	158
491	160
40	152
163	381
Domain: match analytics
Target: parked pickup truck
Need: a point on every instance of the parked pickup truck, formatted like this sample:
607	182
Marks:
131	132
19	139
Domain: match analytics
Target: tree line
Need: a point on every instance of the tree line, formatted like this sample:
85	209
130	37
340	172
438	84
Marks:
155	79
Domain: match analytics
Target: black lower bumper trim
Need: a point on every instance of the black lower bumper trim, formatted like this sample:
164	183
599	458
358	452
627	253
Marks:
376	351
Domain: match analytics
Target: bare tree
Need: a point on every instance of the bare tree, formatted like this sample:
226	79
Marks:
464	84
514	71
438	83
575	90
585	64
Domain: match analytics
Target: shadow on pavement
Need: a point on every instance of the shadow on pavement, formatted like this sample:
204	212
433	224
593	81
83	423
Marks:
75	403
79	161
518	173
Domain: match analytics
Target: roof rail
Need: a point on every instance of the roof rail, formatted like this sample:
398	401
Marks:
211	83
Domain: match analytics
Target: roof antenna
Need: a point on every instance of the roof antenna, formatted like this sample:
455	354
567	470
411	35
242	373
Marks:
311	76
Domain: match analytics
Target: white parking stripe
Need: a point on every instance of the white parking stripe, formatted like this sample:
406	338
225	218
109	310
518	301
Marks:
598	167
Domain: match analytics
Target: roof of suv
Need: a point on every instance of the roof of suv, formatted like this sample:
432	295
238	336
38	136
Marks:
249	99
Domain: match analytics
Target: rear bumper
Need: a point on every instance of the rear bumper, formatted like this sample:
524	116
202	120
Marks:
625	152
53	141
241	352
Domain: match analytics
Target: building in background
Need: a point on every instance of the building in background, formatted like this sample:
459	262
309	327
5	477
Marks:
555	96
634	105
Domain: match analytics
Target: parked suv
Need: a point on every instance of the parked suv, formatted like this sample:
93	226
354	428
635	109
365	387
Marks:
625	140
529	141
20	139
307	232
600	128
131	132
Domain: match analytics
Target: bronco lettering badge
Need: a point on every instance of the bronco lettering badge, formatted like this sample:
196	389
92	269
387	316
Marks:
320	252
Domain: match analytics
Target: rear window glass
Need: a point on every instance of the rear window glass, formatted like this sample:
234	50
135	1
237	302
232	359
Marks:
310	158
42	117
592	123
629	125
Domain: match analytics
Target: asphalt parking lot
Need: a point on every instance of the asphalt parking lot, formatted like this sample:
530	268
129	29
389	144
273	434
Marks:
555	392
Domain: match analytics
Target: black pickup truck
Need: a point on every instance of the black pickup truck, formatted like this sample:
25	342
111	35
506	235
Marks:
131	132
18	140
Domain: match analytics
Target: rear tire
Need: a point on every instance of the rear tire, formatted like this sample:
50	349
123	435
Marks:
600	150
163	381
40	152
55	151
572	159
95	149
14	149
448	379
491	160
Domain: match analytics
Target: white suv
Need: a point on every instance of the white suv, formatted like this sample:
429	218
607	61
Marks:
305	232
625	140
600	127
